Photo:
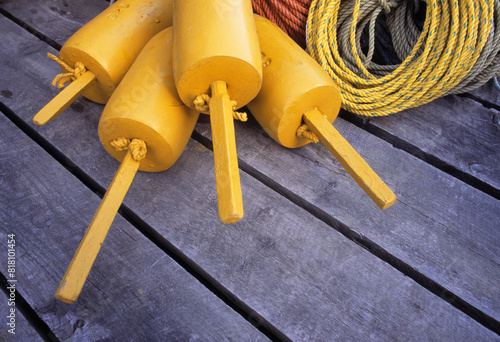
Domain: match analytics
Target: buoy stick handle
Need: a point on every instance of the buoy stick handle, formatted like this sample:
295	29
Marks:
357	167
79	268
227	176
64	99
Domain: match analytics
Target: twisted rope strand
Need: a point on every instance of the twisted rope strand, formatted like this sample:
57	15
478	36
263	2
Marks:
305	133
202	102
455	49
288	15
137	147
70	75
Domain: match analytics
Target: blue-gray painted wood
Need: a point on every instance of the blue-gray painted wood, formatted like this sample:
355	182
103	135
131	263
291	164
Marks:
16	327
297	272
134	291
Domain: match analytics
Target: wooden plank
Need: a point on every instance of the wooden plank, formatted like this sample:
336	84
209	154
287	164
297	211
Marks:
454	223
439	226
438	129
57	19
21	330
458	131
488	92
299	274
134	291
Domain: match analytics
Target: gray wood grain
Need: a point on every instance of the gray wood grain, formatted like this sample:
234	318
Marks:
438	128
134	291
488	92
439	226
57	19
22	330
301	275
456	130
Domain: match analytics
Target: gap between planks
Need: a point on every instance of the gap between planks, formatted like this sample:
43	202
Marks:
367	244
240	307
363	123
29	314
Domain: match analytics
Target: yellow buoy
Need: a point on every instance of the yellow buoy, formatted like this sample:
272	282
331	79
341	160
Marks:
145	126
298	103
98	55
217	69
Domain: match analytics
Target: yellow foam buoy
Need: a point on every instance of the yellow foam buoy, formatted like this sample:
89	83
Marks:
298	104
146	127
217	69
97	56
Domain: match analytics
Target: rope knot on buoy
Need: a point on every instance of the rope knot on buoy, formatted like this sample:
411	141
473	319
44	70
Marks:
70	73
305	133
137	147
202	104
242	116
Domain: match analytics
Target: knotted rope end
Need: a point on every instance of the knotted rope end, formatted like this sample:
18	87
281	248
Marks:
137	147
201	103
70	73
242	116
304	133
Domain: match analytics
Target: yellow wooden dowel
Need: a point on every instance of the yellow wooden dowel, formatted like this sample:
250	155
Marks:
79	268
64	99
227	175
357	167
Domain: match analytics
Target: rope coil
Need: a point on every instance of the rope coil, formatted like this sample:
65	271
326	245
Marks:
289	15
495	82
457	50
137	147
70	75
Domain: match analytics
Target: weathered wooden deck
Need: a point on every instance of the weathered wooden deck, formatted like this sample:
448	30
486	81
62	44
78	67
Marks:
313	259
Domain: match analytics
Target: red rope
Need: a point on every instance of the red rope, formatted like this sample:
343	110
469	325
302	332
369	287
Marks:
289	15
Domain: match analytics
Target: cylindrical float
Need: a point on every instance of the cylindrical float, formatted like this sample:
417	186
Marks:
298	103
98	55
145	126
217	69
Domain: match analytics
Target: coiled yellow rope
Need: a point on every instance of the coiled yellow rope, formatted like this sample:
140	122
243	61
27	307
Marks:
458	48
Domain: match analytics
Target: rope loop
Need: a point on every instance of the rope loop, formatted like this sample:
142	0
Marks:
120	144
241	116
70	73
137	147
384	64
202	104
304	132
385	6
